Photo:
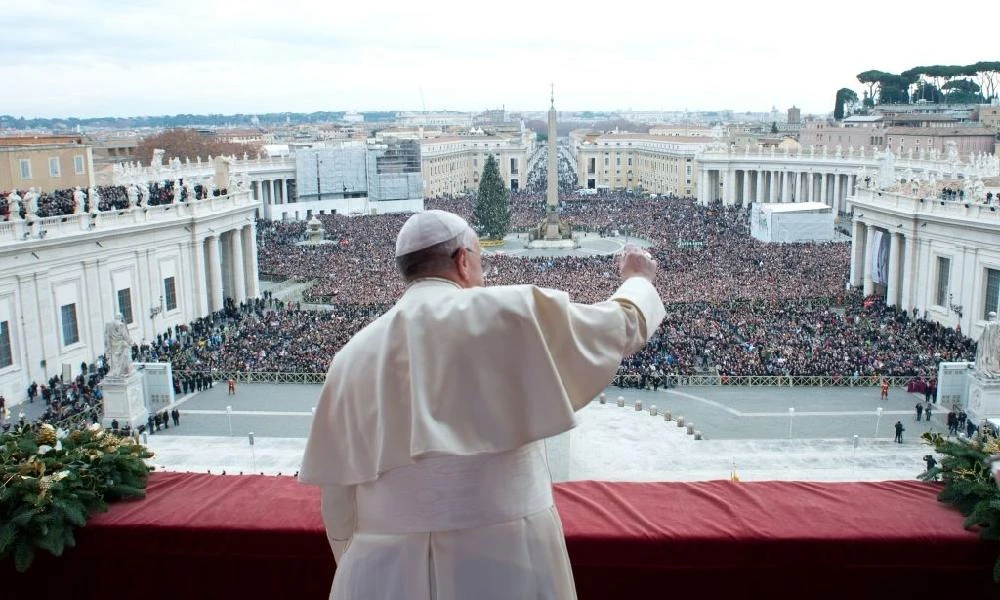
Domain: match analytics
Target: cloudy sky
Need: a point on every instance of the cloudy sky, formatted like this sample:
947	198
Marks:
94	57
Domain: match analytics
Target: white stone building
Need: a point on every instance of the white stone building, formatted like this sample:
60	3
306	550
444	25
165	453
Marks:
924	252
65	277
739	176
660	164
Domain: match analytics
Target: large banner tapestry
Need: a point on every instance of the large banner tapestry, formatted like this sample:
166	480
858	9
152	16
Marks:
878	258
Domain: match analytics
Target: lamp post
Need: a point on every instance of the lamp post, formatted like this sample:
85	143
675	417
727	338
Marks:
229	417
854	455
253	459
878	418
791	413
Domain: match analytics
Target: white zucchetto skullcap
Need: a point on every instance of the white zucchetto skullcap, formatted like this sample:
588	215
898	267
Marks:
425	229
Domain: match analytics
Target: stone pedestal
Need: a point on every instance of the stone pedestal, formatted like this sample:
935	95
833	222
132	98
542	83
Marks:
123	401
984	397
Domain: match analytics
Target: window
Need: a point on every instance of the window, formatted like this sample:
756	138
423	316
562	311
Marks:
943	273
70	331
6	356
78	164
25	168
53	166
992	292
170	292
125	304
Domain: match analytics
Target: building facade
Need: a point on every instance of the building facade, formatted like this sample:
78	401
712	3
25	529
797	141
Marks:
853	132
159	266
797	174
46	163
453	165
967	140
989	116
658	164
925	252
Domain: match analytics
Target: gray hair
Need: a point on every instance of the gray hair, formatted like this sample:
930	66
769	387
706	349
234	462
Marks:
434	259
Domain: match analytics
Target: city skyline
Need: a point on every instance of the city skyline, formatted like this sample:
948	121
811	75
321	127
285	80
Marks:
98	59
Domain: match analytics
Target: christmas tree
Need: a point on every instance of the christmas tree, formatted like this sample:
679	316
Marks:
491	217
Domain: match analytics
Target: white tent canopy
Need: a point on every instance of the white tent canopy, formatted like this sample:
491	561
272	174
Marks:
792	222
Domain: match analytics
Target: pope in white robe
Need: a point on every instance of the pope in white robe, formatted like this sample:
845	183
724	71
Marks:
427	438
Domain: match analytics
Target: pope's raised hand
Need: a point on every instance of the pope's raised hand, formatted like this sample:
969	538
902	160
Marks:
636	262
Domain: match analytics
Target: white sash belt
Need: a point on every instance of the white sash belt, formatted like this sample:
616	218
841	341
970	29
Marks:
456	492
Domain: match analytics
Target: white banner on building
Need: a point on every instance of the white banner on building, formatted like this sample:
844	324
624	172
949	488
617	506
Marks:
878	258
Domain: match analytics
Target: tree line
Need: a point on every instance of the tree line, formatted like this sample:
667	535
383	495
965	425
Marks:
953	84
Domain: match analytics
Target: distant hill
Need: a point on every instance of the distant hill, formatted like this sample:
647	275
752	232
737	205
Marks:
188	120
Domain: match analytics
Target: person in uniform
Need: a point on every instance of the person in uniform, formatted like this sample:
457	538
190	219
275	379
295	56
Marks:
428	435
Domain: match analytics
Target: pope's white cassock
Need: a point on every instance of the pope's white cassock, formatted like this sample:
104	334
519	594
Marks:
427	439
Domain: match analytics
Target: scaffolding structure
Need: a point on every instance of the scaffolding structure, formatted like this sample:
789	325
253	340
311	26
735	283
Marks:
378	172
396	171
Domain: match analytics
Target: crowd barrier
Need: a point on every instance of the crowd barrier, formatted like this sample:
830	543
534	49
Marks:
626	381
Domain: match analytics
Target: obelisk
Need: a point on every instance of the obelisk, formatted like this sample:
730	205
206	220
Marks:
552	191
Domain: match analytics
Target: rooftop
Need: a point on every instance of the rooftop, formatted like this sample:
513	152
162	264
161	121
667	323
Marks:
803	207
941	131
40	140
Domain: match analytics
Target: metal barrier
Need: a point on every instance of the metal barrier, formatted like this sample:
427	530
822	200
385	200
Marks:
632	381
625	381
258	376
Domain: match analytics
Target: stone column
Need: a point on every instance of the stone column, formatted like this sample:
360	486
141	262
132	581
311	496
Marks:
250	260
760	186
836	194
703	194
215	272
924	287
236	265
857	253
201	289
746	187
822	190
773	188
786	194
869	285
906	290
274	198
892	286
808	197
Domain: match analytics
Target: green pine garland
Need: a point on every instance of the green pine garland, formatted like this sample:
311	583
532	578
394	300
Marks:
51	481
969	483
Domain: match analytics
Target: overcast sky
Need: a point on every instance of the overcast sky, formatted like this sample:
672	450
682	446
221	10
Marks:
96	58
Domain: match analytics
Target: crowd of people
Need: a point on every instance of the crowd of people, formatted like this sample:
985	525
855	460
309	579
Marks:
728	264
70	201
735	305
65	401
261	335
